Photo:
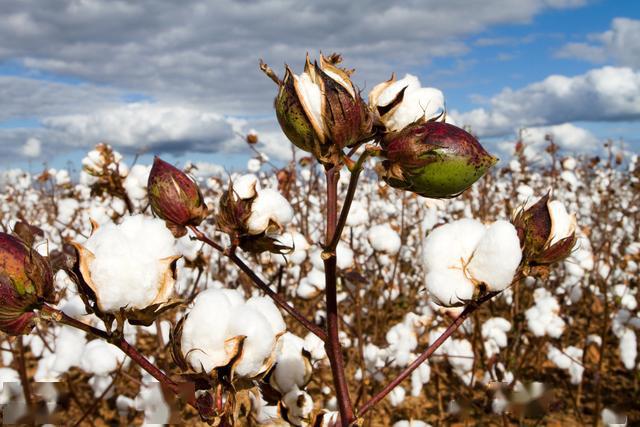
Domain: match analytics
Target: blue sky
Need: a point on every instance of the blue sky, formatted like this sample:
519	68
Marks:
182	80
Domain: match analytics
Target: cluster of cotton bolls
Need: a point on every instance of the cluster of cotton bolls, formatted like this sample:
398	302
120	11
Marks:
401	261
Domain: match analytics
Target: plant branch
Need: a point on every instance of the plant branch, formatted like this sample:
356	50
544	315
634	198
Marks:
278	299
332	345
125	347
346	206
473	306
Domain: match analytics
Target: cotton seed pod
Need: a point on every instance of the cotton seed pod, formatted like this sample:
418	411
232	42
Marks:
175	197
547	232
433	159
320	110
26	282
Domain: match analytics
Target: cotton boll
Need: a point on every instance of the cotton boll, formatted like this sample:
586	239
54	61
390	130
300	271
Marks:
67	209
204	346
315	346
449	287
246	186
254	165
136	182
292	369
494	332
130	264
419	377
259	339
397	395
383	238
570	359
101	358
344	256
562	224
311	285
151	401
300	405
447	244
628	349
267	208
497	256
299	245
358	214
69	345
268	309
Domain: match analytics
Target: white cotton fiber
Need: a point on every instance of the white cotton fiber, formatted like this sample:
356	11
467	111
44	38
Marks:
497	256
127	269
383	238
269	206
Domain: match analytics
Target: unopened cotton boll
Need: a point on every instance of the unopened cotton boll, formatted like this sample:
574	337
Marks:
497	256
128	265
269	207
383	238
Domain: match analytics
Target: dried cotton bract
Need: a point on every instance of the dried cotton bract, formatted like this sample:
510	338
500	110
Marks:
464	254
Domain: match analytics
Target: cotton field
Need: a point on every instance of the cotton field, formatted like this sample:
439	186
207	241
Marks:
549	343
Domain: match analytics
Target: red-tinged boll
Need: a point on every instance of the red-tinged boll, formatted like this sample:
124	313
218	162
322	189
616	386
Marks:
433	159
175	197
320	111
547	232
26	283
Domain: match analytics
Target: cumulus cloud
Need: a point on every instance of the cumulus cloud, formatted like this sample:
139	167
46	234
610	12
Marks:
567	136
207	52
139	126
603	94
620	44
32	147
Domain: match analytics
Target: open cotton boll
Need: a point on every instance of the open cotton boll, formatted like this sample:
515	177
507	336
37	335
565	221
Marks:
298	243
292	369
246	186
299	404
449	286
259	342
312	284
628	348
419	377
562	224
254	165
409	81
494	331
426	103
150	400
267	208
344	256
543	318
136	182
497	256
358	214
69	346
130	267
383	238
397	395
569	359
310	95
101	358
204	346
447	244
315	346
268	309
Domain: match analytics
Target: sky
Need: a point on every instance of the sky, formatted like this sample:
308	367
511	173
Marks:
181	79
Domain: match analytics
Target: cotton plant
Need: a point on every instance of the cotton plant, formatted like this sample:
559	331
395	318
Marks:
265	280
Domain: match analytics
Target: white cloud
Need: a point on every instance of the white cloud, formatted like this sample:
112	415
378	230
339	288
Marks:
140	126
32	147
620	44
603	94
567	136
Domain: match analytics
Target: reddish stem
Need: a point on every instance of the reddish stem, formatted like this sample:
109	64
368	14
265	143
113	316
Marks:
332	345
473	306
